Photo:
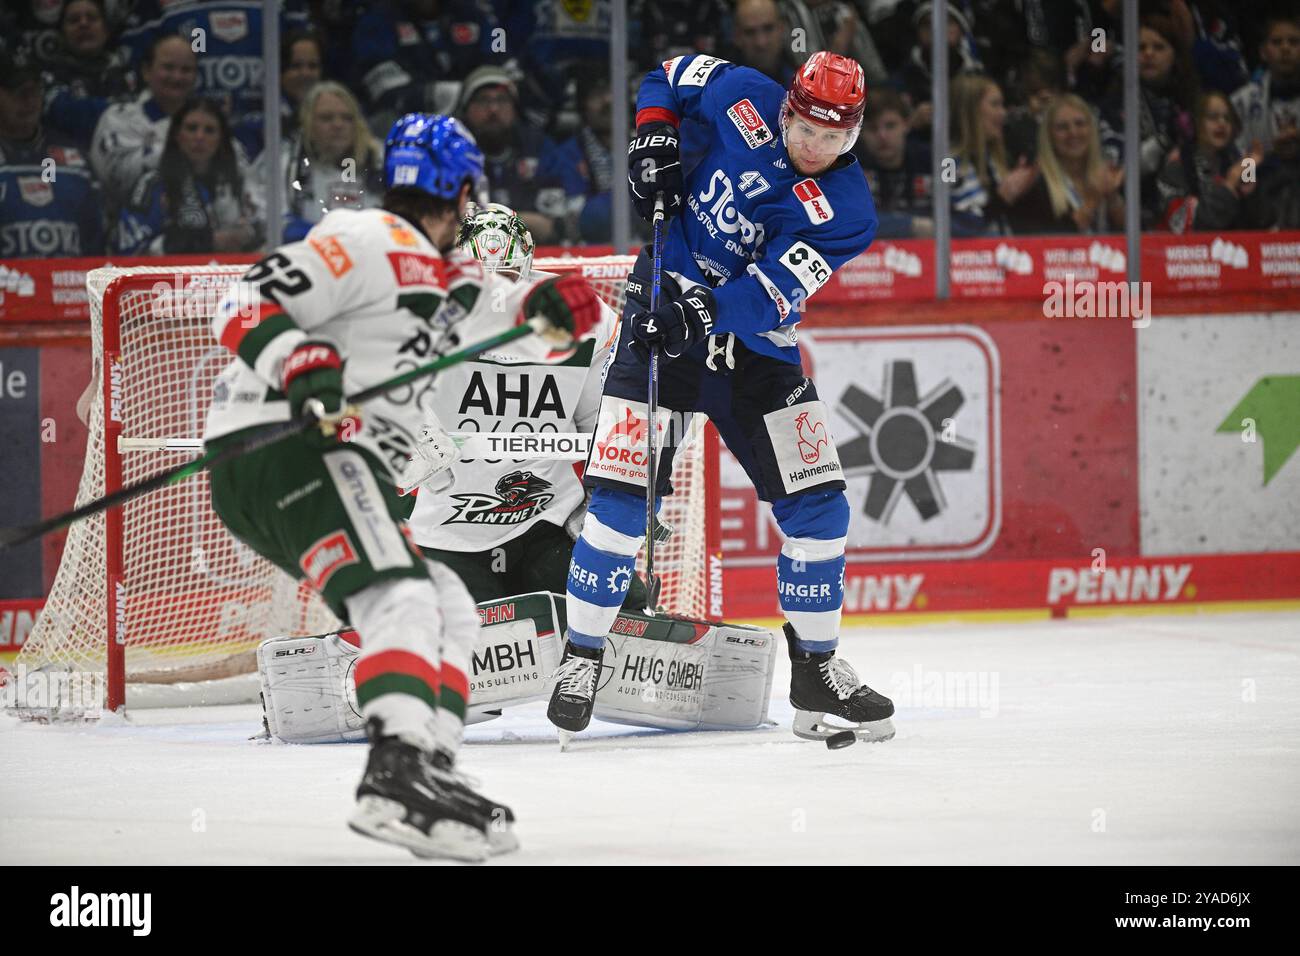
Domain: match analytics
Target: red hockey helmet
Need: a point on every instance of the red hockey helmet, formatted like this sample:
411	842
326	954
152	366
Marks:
829	90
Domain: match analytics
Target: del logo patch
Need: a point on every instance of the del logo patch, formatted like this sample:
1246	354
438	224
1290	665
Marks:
814	201
750	125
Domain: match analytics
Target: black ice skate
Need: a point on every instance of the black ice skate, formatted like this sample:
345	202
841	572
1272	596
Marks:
574	694
501	819
402	800
822	685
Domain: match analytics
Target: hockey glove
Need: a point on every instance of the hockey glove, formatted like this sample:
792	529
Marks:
430	469
313	384
654	166
567	303
675	326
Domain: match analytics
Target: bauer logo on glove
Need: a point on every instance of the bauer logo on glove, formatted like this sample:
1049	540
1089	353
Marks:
675	326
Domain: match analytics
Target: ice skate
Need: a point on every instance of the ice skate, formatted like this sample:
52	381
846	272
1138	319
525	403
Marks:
574	696
403	800
829	700
500	818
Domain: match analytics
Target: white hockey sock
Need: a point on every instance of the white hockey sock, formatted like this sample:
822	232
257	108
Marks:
459	632
400	623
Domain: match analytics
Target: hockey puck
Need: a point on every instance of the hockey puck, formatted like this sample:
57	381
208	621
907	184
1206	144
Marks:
845	738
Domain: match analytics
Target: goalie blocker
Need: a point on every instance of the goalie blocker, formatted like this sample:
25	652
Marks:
670	673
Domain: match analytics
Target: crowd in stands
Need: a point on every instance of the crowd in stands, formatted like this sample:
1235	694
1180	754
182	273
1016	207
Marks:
136	127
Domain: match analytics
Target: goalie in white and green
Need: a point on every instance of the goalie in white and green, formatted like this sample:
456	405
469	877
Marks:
506	527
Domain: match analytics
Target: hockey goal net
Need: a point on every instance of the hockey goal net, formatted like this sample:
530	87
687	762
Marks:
158	591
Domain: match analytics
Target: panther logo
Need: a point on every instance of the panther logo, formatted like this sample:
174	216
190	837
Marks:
519	496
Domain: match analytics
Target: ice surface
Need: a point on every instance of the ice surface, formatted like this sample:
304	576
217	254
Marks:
1154	740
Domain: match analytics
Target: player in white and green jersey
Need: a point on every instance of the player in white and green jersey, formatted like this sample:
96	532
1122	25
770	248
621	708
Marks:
365	296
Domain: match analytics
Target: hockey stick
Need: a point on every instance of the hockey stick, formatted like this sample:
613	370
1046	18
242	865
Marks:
259	439
652	415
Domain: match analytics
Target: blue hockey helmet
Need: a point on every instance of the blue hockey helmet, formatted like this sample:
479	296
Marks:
434	153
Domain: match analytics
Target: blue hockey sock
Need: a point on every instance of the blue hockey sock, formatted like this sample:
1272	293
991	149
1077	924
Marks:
602	565
810	568
812	594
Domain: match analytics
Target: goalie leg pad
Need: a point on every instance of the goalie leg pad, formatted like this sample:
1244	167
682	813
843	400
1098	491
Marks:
659	672
307	691
679	674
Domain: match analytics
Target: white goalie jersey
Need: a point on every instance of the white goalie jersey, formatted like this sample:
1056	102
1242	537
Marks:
375	287
522	388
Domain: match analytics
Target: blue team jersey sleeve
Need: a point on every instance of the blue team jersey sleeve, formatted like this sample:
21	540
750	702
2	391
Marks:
695	87
800	255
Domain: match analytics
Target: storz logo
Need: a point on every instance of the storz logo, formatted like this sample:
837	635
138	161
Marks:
723	211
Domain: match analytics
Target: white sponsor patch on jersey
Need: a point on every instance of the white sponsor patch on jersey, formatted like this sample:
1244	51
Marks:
806	264
415	268
377	533
752	184
815	203
751	126
670	68
697	74
618	452
326	556
801	440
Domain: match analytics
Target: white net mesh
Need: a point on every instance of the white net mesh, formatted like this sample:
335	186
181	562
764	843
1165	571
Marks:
194	601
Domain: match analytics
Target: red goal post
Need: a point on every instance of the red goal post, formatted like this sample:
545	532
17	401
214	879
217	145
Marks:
158	592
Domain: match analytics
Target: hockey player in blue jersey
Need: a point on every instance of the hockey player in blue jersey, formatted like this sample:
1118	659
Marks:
776	205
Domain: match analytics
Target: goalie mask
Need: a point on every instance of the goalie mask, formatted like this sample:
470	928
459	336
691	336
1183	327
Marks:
496	236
